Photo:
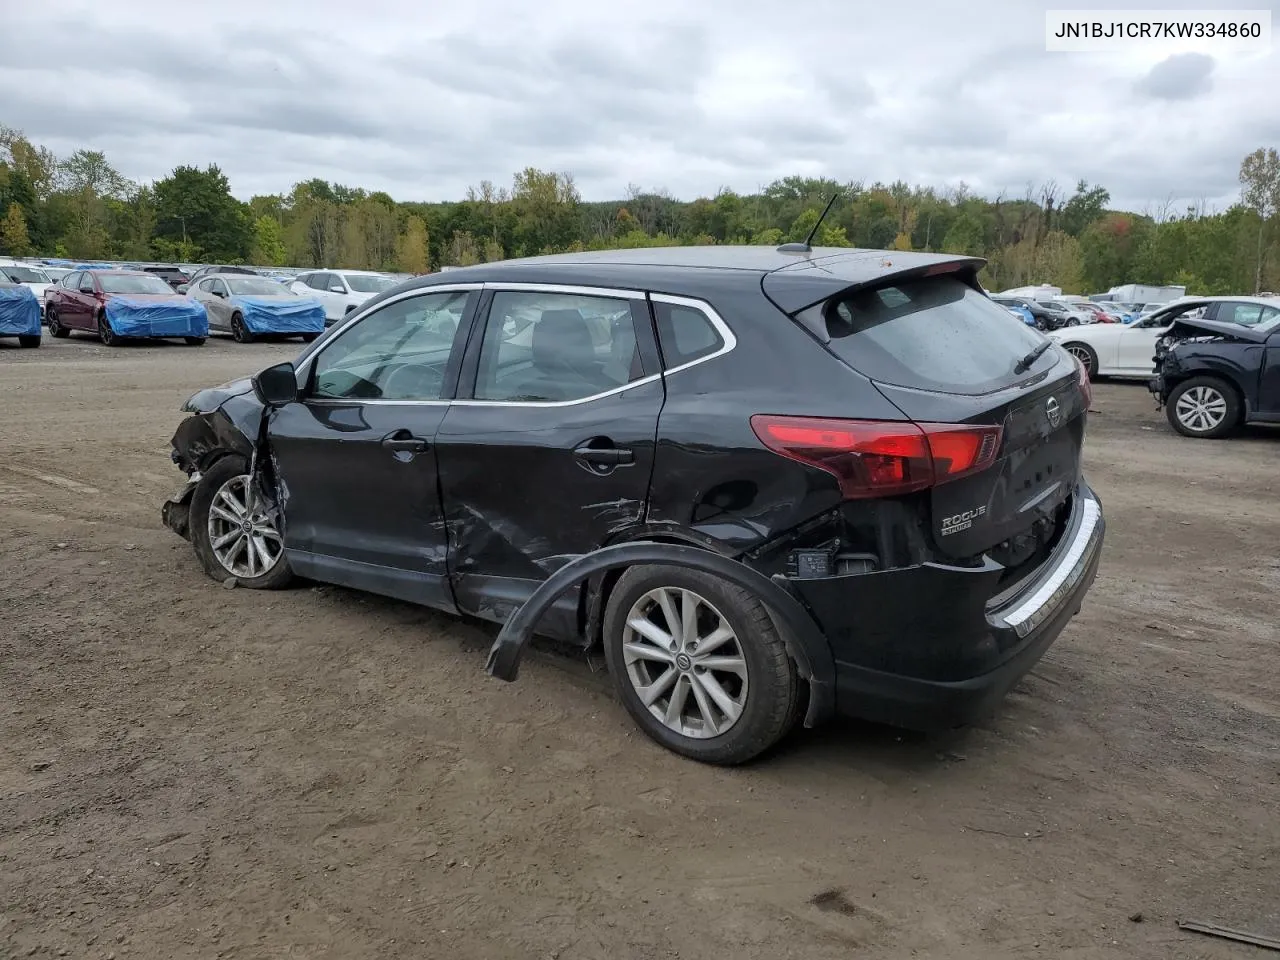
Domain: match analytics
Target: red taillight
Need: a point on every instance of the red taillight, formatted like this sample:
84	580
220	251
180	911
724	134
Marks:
1086	387
874	458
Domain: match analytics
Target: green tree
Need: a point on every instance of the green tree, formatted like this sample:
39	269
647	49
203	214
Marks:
1260	191
966	235
1085	206
13	232
196	206
268	248
412	246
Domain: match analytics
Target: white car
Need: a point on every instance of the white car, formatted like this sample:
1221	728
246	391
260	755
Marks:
341	291
1128	350
29	275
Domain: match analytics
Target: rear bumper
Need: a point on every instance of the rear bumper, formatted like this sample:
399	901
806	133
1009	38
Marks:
926	648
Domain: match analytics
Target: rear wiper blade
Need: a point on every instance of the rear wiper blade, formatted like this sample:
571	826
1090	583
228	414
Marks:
1025	363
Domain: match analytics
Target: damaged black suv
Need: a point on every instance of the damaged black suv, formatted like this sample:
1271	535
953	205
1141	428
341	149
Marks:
771	484
1218	365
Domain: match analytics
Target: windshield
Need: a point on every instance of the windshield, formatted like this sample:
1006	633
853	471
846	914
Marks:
24	274
133	283
365	283
254	287
934	333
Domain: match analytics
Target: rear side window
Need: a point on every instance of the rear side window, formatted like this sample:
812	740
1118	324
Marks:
685	333
934	333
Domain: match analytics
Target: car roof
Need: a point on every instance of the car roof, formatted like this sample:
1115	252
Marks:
793	281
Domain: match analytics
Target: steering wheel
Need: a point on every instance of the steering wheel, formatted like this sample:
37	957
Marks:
411	381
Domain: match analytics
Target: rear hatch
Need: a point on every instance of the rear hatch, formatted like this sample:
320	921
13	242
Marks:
943	352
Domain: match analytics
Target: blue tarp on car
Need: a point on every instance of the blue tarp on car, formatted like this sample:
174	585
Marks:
19	312
164	317
270	315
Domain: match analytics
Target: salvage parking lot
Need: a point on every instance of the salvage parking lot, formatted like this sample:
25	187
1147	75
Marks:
189	771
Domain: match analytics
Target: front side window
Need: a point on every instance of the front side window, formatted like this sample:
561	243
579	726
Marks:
553	347
398	352
86	283
1248	314
218	288
71	281
206	285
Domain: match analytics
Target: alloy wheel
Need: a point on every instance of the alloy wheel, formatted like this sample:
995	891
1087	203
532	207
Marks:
685	662
242	534
1081	353
1201	409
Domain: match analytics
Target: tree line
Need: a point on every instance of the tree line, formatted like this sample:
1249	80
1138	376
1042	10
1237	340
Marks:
82	208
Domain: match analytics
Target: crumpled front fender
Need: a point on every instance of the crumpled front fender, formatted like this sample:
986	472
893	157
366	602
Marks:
804	640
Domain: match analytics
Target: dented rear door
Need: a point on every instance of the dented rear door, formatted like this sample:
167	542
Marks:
547	452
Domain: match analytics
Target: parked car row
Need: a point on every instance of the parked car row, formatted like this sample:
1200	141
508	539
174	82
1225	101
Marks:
120	305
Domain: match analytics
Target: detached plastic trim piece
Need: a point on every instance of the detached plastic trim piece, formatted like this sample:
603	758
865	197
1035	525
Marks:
805	642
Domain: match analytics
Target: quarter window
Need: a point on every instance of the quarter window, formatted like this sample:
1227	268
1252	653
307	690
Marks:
554	347
685	333
398	352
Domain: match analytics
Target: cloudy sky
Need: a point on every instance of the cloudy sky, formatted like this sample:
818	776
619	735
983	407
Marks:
423	99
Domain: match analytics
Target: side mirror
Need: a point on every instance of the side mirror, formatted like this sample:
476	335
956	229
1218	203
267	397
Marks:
181	288
337	288
219	294
277	386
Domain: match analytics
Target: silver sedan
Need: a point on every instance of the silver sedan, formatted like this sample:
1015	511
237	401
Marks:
217	292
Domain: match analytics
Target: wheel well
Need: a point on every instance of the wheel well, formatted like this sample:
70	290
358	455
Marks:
595	598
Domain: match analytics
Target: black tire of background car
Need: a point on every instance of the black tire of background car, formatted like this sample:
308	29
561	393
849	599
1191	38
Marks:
774	700
194	341
29	340
223	470
1229	422
1091	361
56	329
309	337
239	330
105	333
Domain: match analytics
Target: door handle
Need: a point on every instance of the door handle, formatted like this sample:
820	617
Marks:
605	456
403	440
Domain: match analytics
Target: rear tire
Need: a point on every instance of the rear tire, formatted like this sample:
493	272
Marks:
29	340
107	335
309	337
219	489
56	329
1085	354
239	330
723	704
1203	407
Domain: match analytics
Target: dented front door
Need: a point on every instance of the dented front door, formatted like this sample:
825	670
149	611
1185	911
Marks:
548	452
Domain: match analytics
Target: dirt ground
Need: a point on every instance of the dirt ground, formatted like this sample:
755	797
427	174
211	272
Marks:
190	771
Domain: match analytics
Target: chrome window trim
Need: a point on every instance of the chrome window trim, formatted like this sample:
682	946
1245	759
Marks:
726	333
729	340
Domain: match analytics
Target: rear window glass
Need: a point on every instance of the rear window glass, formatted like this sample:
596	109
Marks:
934	333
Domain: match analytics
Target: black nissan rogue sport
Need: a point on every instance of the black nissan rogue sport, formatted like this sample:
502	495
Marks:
771	484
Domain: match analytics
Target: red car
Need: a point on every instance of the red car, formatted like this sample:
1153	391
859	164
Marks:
79	301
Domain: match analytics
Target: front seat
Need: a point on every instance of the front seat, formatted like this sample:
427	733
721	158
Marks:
565	366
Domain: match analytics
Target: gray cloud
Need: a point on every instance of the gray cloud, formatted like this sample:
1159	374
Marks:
1182	76
422	102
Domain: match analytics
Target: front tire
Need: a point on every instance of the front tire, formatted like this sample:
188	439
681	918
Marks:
239	330
194	341
1203	407
1085	354
107	335
230	538
699	664
29	340
309	337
